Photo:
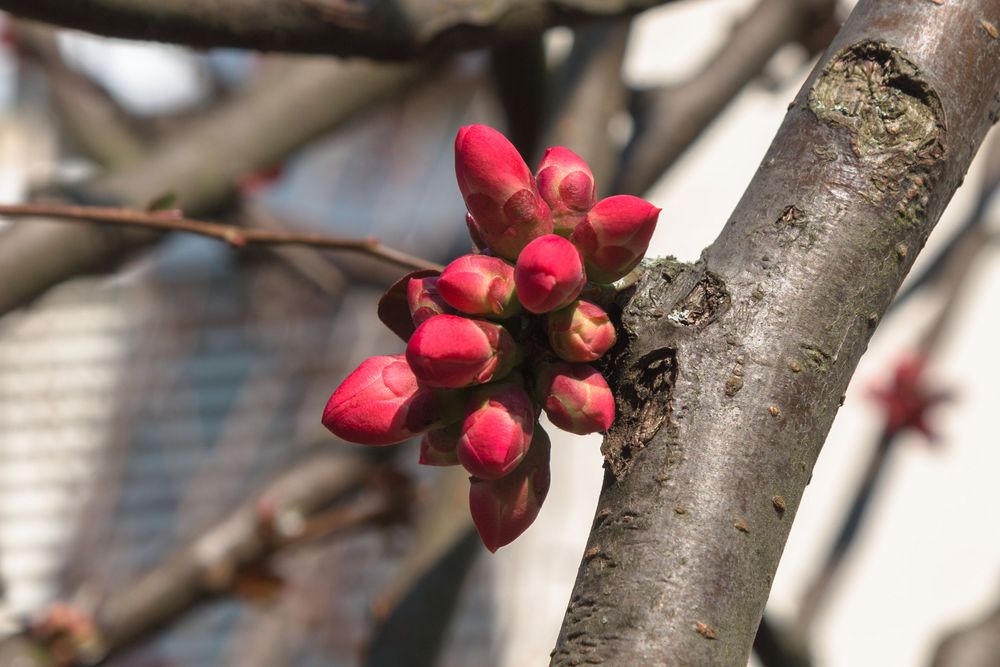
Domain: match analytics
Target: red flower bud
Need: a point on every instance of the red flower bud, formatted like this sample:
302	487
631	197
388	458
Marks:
440	446
503	508
576	398
424	299
480	285
567	186
478	242
452	351
499	190
615	235
380	403
580	332
496	430
549	274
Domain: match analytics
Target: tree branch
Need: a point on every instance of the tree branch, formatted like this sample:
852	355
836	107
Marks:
731	370
201	166
974	645
588	93
95	121
290	511
382	29
238	237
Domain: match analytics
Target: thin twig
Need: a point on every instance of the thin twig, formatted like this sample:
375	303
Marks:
238	237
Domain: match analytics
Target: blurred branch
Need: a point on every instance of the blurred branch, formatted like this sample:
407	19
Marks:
414	610
312	265
384	29
775	647
669	119
588	93
521	78
975	645
291	511
201	166
970	227
238	237
92	117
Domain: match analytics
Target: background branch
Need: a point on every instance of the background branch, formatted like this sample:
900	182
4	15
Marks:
94	120
238	237
292	510
975	645
201	166
588	92
669	119
383	29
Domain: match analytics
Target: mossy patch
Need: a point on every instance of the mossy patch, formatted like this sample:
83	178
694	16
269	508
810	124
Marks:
879	95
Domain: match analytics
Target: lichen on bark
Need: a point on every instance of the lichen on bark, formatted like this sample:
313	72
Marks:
873	90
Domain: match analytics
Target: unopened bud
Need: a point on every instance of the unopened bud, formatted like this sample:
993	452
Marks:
615	235
478	242
496	430
453	351
480	285
424	299
567	186
504	508
576	398
381	403
499	190
549	274
580	332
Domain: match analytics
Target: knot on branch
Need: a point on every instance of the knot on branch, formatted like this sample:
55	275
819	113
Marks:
706	301
645	389
894	116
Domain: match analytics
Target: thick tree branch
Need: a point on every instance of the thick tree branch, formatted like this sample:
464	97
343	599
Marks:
201	166
238	237
731	370
383	29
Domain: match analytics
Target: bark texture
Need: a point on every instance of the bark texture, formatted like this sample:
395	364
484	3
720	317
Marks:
383	29
732	369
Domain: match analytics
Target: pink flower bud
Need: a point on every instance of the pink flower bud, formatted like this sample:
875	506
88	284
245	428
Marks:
478	242
576	398
424	299
496	430
503	508
440	446
615	235
480	285
380	403
567	186
452	351
499	190
549	274
580	332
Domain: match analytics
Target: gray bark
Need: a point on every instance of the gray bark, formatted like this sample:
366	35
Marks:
732	369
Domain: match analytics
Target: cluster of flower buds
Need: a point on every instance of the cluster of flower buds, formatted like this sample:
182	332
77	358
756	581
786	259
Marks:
502	334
